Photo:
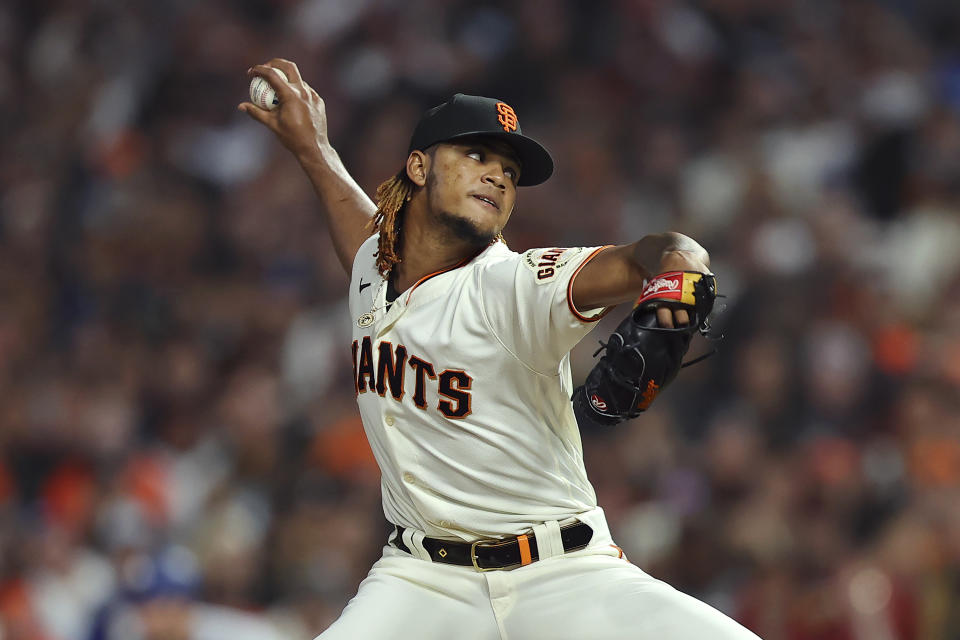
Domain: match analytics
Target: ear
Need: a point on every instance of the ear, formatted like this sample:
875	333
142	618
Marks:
417	166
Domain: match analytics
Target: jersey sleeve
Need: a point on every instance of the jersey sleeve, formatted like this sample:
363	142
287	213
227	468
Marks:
526	301
364	270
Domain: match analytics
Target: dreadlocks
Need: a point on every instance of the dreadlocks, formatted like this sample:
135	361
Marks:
392	196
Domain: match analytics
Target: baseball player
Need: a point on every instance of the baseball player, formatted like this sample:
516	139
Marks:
461	371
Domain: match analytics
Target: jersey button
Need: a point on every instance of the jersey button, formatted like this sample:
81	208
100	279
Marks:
389	420
409	478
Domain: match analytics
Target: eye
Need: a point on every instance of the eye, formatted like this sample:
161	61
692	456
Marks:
511	173
475	154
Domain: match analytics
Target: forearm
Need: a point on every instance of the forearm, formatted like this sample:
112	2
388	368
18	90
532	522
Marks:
618	274
300	124
346	207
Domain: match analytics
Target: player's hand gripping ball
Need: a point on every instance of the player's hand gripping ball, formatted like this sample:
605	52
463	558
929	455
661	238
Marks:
641	357
262	94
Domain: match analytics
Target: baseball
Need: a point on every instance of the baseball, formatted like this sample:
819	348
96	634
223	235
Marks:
262	94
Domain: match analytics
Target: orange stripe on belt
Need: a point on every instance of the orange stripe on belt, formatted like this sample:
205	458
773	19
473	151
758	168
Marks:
525	557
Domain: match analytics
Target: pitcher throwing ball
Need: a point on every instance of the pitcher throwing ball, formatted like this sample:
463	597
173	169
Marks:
461	371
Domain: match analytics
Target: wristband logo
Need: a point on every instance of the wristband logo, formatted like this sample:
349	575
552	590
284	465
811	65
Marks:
662	284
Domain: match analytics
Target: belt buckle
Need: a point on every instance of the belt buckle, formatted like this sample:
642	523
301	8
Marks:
473	553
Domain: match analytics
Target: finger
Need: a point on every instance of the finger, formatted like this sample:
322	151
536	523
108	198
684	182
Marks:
289	68
283	89
665	317
681	318
260	115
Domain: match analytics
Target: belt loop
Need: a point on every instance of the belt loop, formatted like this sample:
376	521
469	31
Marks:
414	541
524	545
549	542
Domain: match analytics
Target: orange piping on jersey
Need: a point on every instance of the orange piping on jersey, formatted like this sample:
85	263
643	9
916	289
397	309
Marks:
573	309
436	273
525	557
618	549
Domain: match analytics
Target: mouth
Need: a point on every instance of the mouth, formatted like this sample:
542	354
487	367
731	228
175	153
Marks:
487	201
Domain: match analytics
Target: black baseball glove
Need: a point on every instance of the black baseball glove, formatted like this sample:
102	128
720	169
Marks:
641	358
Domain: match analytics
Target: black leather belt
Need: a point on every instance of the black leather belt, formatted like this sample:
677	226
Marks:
490	555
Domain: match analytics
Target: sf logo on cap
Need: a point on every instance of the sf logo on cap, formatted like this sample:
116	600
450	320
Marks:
507	117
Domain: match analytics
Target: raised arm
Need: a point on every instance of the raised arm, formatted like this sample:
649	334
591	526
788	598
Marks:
300	123
617	274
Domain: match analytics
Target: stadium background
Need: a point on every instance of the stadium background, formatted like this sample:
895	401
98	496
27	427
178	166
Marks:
180	455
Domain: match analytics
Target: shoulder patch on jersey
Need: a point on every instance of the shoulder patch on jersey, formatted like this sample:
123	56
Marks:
546	264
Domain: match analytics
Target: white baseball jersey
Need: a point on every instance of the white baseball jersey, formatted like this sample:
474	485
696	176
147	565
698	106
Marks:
464	390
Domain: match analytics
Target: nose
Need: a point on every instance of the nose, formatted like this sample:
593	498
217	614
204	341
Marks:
494	175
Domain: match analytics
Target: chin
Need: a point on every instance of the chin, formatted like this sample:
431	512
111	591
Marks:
467	230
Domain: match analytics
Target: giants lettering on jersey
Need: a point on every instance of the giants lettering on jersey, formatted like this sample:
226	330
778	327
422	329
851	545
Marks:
386	368
548	261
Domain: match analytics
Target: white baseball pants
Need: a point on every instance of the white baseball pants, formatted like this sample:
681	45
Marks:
589	594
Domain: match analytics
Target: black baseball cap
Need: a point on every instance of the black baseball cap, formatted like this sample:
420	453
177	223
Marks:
464	115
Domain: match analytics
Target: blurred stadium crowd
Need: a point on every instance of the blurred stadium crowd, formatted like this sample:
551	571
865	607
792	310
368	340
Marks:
180	454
